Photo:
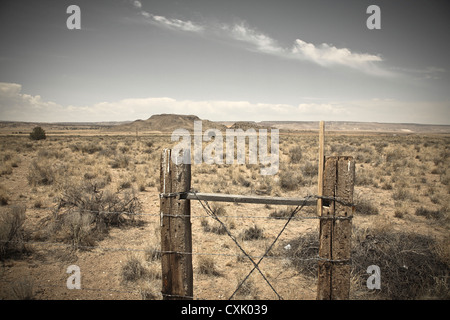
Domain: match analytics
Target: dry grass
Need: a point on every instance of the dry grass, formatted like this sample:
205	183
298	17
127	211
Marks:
12	222
413	266
206	265
133	269
4	198
252	233
85	212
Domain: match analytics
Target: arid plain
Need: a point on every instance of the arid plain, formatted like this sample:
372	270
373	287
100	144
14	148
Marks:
88	195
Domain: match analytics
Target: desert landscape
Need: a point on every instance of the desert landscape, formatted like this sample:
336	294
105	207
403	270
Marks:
88	195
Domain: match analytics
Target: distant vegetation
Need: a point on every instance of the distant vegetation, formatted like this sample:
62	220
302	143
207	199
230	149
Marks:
38	134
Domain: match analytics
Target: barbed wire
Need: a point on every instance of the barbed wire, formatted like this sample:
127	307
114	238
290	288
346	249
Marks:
33	284
149	250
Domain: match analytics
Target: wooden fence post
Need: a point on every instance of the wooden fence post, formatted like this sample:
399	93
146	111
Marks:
321	165
176	235
335	232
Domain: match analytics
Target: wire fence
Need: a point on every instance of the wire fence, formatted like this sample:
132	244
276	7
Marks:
208	213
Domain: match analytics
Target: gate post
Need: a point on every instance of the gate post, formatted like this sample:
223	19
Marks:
176	234
336	229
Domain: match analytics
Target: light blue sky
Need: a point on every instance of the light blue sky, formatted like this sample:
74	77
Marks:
225	60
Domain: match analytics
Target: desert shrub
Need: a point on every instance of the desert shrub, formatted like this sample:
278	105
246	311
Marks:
5	168
8	161
243	181
38	134
445	178
430	214
78	228
4	198
124	149
401	194
125	184
363	156
153	253
109	208
399	213
302	251
90	175
46	153
290	180
411	266
246	289
379	146
91	148
253	233
75	147
149	144
149	292
23	289
363	178
394	155
338	147
44	172
133	269
119	161
12	231
310	170
264	186
207	266
85	213
108	151
281	213
218	209
216	227
296	154
386	186
363	206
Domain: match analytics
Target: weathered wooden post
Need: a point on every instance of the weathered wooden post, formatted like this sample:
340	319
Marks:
321	166
176	236
335	229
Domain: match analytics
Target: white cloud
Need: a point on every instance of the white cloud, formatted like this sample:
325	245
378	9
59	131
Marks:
15	105
137	4
262	42
324	55
18	106
175	23
9	89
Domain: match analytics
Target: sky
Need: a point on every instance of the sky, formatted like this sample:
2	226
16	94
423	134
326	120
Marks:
228	60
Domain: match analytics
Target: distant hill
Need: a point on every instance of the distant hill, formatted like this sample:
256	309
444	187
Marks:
167	123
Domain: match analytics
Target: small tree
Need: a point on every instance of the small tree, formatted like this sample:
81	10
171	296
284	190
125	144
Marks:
38	134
